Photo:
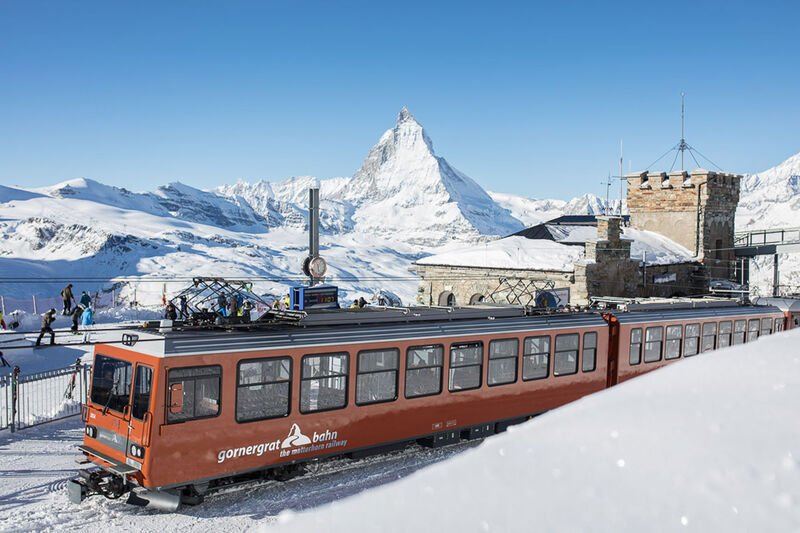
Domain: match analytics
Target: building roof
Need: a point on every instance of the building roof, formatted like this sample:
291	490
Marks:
560	246
568	229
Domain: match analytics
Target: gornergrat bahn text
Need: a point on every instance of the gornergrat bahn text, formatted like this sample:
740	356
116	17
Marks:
175	414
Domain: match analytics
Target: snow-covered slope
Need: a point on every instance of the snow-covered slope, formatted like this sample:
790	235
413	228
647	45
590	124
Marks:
702	445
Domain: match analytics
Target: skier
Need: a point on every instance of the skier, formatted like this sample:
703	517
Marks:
47	321
76	316
68	298
362	302
87	321
86	300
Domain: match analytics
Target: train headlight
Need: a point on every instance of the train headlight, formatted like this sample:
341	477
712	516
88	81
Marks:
137	451
91	431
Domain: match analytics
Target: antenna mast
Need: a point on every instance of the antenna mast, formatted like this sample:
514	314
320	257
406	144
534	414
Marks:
621	177
682	146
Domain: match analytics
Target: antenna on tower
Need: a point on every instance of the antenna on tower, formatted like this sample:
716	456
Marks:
682	145
607	183
621	177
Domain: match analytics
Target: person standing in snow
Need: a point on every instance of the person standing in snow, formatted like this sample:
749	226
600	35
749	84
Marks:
87	321
76	316
68	298
2	322
184	307
232	309
86	300
47	321
362	302
171	313
222	304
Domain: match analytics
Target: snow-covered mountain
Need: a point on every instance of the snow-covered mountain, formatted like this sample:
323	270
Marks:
403	203
403	190
771	199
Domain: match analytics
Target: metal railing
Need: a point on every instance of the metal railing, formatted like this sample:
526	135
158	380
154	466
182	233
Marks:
766	236
33	399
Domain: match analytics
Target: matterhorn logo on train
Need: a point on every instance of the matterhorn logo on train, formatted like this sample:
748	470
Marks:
295	443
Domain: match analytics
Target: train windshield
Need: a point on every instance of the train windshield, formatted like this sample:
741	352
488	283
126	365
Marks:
111	382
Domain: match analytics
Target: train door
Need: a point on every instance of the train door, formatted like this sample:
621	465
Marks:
140	415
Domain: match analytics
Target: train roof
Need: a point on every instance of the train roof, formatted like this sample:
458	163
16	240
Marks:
347	327
784	303
689	313
320	329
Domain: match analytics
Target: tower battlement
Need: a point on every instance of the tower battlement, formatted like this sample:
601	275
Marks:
695	209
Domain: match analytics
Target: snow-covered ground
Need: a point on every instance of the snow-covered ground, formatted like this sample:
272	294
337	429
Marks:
708	444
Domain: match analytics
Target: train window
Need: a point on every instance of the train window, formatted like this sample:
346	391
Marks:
672	347
589	352
565	360
142	386
466	366
111	382
536	358
424	370
691	342
263	388
653	338
193	393
635	352
709	336
752	329
778	325
739	328
725	329
766	326
323	382
376	380
503	361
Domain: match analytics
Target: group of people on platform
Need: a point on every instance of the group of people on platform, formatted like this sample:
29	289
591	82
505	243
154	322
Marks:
233	305
81	315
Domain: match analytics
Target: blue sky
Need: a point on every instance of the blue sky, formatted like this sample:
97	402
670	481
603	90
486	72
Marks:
529	98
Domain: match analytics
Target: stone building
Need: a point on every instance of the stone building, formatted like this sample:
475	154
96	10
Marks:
695	210
678	236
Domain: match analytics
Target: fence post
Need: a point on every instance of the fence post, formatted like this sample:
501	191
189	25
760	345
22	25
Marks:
3	305
14	383
34	305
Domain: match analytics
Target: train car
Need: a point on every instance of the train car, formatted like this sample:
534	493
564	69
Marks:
174	414
648	336
789	305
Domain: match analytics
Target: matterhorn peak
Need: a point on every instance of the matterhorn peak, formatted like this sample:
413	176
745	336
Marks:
405	115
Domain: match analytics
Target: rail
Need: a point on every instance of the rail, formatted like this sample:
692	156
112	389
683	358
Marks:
34	399
764	237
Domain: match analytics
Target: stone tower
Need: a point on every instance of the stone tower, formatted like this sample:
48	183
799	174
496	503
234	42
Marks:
695	210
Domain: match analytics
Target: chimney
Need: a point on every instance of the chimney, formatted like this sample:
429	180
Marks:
608	228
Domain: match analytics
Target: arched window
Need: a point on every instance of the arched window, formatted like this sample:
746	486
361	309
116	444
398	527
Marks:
447	298
476	299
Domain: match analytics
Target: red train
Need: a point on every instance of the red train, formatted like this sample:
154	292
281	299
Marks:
173	415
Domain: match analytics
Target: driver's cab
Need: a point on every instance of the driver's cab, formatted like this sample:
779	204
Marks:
119	413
